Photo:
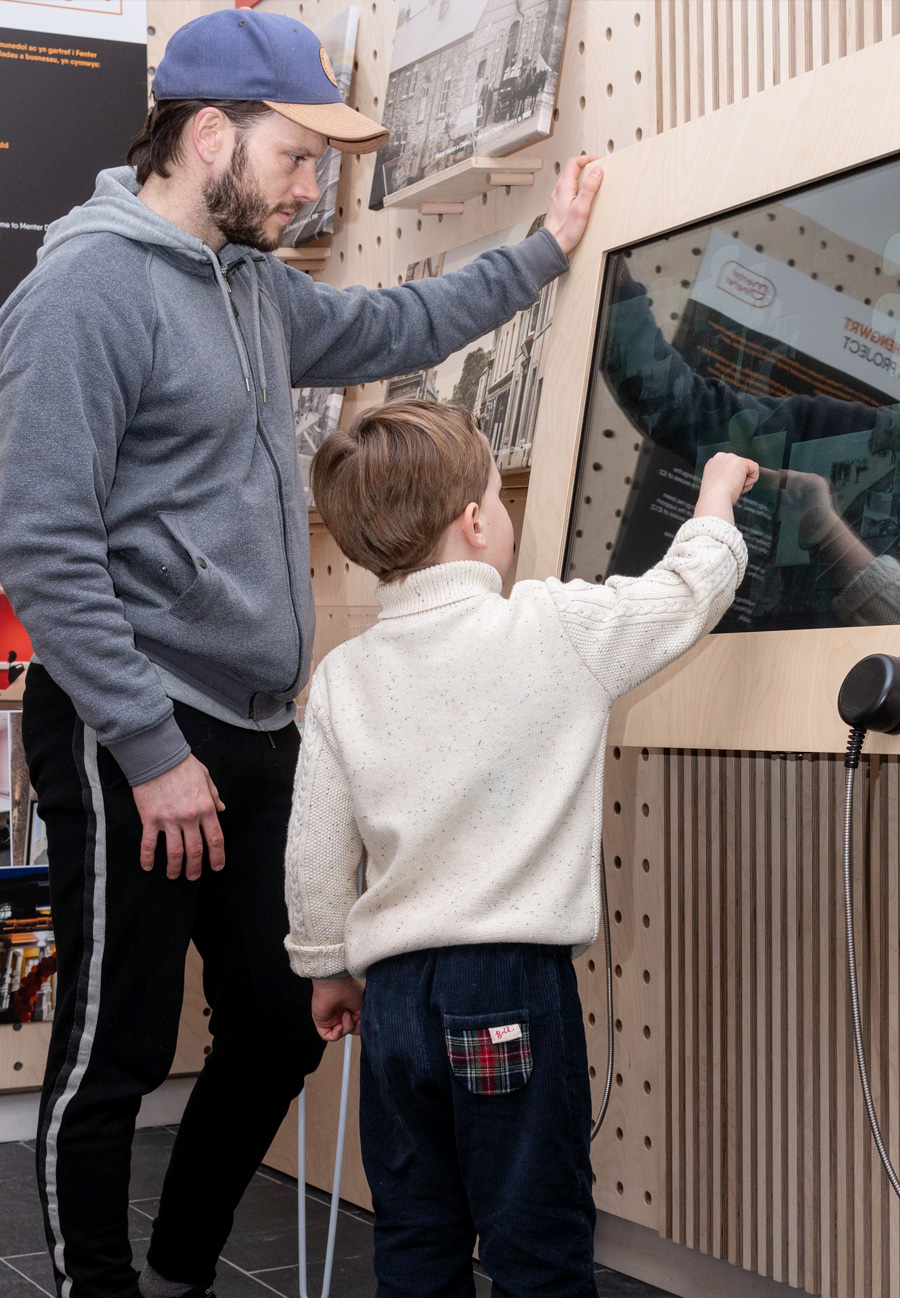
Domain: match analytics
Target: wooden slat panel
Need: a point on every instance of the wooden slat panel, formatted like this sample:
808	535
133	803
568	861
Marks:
767	1159
891	1063
682	64
659	80
763	43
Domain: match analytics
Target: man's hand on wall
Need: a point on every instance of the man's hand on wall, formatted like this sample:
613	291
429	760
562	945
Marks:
182	804
570	205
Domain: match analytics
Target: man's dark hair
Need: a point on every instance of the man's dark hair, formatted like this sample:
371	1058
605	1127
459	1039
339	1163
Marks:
158	144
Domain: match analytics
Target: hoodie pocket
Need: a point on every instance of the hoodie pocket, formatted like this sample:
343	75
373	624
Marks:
199	596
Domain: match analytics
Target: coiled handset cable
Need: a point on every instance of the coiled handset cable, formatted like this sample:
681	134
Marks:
610	1052
851	762
869	699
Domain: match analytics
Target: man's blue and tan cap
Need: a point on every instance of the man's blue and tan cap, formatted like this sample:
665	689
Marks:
239	54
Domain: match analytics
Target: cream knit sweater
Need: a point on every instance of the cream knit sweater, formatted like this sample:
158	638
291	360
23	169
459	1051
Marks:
457	746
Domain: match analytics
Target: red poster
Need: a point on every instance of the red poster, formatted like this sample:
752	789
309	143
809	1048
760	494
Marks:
13	639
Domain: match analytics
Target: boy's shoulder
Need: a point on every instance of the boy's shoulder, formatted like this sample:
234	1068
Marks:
552	593
530	596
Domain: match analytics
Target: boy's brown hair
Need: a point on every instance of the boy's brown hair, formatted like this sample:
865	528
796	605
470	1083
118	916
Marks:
390	485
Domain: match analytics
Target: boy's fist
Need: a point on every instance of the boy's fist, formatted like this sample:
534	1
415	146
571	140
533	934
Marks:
731	473
335	1007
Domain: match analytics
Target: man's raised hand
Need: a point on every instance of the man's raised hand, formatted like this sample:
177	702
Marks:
570	203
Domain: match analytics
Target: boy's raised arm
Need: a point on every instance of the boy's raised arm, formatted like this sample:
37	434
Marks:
628	628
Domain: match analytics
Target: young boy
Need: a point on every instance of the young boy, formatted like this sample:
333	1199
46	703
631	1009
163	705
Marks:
457	747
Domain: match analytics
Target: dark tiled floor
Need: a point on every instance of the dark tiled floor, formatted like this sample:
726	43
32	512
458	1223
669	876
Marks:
261	1255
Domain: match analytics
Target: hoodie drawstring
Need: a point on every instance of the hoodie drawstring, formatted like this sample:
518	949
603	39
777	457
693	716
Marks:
257	332
231	313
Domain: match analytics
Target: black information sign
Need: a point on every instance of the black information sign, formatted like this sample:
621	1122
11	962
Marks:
69	107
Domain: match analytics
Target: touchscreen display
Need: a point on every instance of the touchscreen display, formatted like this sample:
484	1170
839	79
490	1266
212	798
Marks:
773	332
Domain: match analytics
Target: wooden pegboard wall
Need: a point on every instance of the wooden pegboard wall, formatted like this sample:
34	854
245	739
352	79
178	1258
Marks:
629	1152
630	69
605	101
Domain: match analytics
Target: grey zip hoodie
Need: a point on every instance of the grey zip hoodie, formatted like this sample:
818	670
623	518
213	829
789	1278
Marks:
151	508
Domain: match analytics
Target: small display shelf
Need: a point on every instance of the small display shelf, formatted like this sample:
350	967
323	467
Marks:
447	190
309	257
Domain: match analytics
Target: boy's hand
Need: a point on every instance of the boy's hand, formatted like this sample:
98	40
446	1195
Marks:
570	206
725	479
335	1007
732	472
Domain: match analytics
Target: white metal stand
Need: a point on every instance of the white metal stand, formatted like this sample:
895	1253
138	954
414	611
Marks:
336	1185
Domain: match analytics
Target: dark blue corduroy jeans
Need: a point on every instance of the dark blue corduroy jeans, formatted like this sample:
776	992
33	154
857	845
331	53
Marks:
465	1137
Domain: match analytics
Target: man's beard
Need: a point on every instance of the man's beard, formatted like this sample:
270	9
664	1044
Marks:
236	205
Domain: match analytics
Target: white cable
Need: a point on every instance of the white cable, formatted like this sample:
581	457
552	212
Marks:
610	1027
336	1184
854	990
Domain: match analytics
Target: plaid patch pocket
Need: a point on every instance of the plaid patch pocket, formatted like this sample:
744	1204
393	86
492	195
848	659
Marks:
489	1053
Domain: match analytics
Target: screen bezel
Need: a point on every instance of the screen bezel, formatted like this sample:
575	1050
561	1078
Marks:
769	690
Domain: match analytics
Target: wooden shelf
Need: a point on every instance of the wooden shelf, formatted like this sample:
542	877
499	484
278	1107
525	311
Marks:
464	180
309	257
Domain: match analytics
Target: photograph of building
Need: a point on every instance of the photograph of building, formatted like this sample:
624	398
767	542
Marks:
16	793
338	39
5	793
498	377
27	948
316	414
471	78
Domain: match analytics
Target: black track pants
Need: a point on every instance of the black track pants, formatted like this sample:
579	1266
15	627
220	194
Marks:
122	936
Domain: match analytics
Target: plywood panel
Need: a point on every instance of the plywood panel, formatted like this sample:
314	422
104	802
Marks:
769	1163
733	1098
765	43
194	1040
768	690
23	1055
723	160
729	157
628	1153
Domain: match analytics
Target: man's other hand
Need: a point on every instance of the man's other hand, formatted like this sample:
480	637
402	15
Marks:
570	205
335	1007
182	804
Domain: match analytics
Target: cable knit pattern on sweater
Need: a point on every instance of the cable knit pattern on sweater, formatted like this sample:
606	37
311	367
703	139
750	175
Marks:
457	747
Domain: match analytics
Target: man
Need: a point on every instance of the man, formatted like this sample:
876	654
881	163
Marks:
153	539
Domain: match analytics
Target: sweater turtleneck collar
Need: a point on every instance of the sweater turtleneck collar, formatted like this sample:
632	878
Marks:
445	583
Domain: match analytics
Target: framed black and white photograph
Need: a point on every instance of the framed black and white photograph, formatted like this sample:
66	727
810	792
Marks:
5	794
471	78
16	792
315	219
316	414
498	377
